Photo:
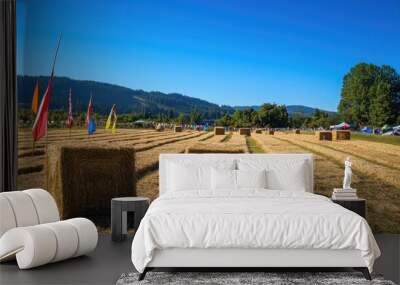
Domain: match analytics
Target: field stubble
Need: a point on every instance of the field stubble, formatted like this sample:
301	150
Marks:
377	184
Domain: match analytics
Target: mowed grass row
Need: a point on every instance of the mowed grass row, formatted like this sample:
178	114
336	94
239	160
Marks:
27	160
370	167
147	161
230	143
374	152
101	137
32	168
383	207
25	135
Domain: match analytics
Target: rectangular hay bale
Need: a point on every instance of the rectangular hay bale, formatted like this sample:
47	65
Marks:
219	131
324	135
297	131
245	131
271	132
341	135
177	129
258	131
84	177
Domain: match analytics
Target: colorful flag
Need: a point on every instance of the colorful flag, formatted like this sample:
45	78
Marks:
35	98
39	129
70	120
90	119
112	117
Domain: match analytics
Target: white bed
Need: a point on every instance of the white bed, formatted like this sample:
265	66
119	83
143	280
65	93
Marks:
248	227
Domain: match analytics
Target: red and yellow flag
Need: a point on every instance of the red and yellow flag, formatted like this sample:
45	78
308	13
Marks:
39	129
35	98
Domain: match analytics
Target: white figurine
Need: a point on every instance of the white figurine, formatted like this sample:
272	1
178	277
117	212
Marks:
347	174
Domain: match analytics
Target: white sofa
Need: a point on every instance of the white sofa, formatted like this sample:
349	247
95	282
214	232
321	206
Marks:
31	230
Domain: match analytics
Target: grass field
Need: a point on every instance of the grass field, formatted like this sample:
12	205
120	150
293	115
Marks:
376	164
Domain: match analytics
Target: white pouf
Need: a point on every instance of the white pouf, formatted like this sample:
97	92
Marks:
31	232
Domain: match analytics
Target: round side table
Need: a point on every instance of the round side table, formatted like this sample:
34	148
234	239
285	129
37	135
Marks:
119	208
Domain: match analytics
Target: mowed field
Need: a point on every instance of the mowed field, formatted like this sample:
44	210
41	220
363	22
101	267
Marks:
376	167
148	144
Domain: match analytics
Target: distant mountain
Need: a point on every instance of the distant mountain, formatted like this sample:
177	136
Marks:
292	109
126	99
105	95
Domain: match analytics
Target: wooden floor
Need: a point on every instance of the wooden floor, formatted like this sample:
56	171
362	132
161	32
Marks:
110	260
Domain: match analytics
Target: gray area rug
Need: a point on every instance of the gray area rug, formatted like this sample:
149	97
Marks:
228	278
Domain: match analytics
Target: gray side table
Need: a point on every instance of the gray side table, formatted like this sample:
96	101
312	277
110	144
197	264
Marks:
119	208
356	205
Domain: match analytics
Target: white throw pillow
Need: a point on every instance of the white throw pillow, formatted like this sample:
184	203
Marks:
183	178
223	179
193	175
282	174
292	178
251	178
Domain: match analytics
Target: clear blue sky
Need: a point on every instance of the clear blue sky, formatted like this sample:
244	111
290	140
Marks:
226	52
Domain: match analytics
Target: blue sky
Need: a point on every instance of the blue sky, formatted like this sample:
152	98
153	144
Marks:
226	52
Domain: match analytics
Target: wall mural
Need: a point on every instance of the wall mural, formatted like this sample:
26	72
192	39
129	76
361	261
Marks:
104	87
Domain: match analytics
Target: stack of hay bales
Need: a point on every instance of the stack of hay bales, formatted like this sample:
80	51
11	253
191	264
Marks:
244	131
219	131
297	131
324	135
177	129
341	135
83	178
203	147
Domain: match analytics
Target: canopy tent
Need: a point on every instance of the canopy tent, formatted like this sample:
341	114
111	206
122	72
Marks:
366	130
341	126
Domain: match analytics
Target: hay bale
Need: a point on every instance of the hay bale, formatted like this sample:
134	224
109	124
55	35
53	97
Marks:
245	131
258	131
177	129
341	135
271	132
84	177
324	135
297	131
219	131
203	147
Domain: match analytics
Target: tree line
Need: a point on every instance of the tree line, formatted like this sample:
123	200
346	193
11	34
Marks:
370	96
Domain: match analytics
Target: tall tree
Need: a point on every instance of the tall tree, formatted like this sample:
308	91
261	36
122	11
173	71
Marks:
370	95
273	115
195	117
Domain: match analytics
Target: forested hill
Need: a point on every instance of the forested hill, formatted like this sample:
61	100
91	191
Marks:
292	109
126	99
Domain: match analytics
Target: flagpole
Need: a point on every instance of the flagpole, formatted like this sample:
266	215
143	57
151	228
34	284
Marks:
47	123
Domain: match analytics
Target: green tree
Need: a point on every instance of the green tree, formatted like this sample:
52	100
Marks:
181	119
195	117
297	120
272	115
243	118
224	121
370	95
